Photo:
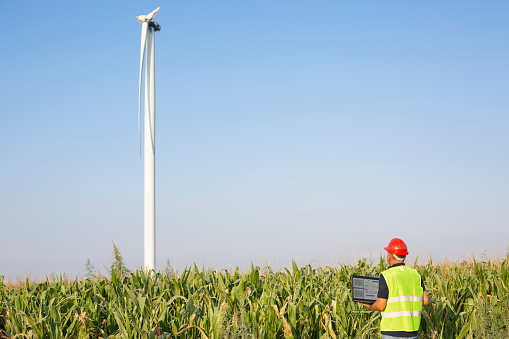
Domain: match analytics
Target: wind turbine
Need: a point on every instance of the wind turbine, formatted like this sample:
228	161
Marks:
148	28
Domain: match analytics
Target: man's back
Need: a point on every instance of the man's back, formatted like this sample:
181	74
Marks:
404	302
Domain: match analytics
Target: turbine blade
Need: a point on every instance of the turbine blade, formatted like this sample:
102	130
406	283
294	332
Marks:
150	66
153	13
144	29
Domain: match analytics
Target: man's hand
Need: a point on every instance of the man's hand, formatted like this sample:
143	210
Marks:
378	305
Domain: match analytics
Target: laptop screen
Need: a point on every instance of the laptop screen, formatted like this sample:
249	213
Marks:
364	289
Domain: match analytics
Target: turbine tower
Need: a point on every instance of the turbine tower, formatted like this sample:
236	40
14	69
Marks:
148	28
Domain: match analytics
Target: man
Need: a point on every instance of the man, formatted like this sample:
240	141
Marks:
401	294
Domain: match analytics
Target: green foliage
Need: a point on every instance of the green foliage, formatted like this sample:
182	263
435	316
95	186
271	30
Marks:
168	270
233	325
492	319
89	269
470	300
118	267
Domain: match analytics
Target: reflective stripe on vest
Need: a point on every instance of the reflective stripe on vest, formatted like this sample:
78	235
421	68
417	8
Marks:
404	305
397	299
401	314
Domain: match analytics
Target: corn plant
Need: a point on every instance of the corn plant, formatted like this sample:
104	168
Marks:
469	299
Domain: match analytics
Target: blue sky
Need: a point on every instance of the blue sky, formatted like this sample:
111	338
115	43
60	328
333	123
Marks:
285	129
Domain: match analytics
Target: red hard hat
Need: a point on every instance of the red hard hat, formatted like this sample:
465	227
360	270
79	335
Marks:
397	246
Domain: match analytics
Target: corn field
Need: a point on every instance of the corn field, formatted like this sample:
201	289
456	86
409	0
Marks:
468	299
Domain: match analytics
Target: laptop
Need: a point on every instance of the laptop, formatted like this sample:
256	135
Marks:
364	289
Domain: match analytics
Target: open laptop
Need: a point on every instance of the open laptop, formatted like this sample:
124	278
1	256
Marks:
364	289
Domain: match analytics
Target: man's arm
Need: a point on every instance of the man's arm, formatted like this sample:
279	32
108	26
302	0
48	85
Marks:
379	304
425	299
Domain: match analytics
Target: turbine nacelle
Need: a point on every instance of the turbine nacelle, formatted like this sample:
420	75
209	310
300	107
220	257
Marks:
148	17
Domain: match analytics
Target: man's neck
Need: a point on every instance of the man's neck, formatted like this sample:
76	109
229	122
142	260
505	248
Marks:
397	263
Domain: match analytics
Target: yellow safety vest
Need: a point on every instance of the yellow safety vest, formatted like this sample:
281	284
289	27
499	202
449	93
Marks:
404	306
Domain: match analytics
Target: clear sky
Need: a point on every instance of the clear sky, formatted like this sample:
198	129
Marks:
313	130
